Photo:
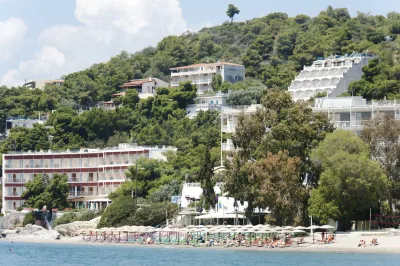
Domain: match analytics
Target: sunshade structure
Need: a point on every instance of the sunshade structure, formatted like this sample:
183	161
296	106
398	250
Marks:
327	226
300	228
209	216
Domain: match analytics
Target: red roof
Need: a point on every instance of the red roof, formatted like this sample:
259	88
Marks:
119	94
109	102
205	64
137	82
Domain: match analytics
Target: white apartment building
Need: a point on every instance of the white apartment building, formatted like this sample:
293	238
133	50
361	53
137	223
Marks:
207	102
22	121
331	75
230	115
350	113
201	74
92	173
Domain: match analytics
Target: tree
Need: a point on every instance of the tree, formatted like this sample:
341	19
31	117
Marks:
206	178
232	11
350	182
44	190
277	186
382	136
131	98
216	82
118	213
349	186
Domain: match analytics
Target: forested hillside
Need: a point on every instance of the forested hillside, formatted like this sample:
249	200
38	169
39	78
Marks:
273	48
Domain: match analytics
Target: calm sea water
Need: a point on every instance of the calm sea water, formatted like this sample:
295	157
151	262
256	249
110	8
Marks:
55	255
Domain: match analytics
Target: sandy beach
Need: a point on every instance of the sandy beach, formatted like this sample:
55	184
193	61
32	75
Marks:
343	244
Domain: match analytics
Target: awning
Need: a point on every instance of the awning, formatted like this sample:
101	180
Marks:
218	216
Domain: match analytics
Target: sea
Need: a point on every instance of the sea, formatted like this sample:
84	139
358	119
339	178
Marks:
26	254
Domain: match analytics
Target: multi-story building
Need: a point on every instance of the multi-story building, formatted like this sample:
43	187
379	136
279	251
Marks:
229	116
207	102
331	76
92	173
350	113
201	74
22	121
40	84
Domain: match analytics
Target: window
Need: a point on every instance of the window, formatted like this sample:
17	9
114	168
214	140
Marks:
9	163
21	163
70	162
80	162
31	163
41	163
52	163
90	177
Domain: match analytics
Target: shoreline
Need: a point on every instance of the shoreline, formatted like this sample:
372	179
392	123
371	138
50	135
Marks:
334	248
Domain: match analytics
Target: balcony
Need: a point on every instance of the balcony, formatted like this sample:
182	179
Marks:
82	193
14	194
228	129
15	180
195	72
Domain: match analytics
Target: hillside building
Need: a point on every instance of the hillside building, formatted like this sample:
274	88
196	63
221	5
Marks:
331	75
201	74
92	173
40	84
22	121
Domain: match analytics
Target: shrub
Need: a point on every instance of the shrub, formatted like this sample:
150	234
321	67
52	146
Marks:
31	217
118	213
86	215
20	208
68	217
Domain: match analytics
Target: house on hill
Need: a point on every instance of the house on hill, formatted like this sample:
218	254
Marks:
145	87
201	74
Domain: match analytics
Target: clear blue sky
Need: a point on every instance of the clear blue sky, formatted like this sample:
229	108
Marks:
43	39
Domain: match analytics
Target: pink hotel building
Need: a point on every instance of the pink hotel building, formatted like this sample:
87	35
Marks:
92	173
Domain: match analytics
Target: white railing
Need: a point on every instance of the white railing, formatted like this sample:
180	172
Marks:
196	72
228	129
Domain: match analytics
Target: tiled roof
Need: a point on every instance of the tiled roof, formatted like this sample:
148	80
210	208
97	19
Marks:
119	94
137	82
205	64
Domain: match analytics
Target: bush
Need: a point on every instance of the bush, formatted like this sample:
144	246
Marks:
86	215
31	217
68	217
118	213
20	208
123	212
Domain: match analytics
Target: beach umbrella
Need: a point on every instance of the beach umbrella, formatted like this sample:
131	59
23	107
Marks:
327	226
288	227
259	226
300	228
299	231
313	227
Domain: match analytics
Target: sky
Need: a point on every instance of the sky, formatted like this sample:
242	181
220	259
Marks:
45	39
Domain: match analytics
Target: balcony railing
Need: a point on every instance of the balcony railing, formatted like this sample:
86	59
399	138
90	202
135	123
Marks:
17	180
82	193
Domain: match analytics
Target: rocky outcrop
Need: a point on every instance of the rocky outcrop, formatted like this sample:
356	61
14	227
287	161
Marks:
72	229
31	232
